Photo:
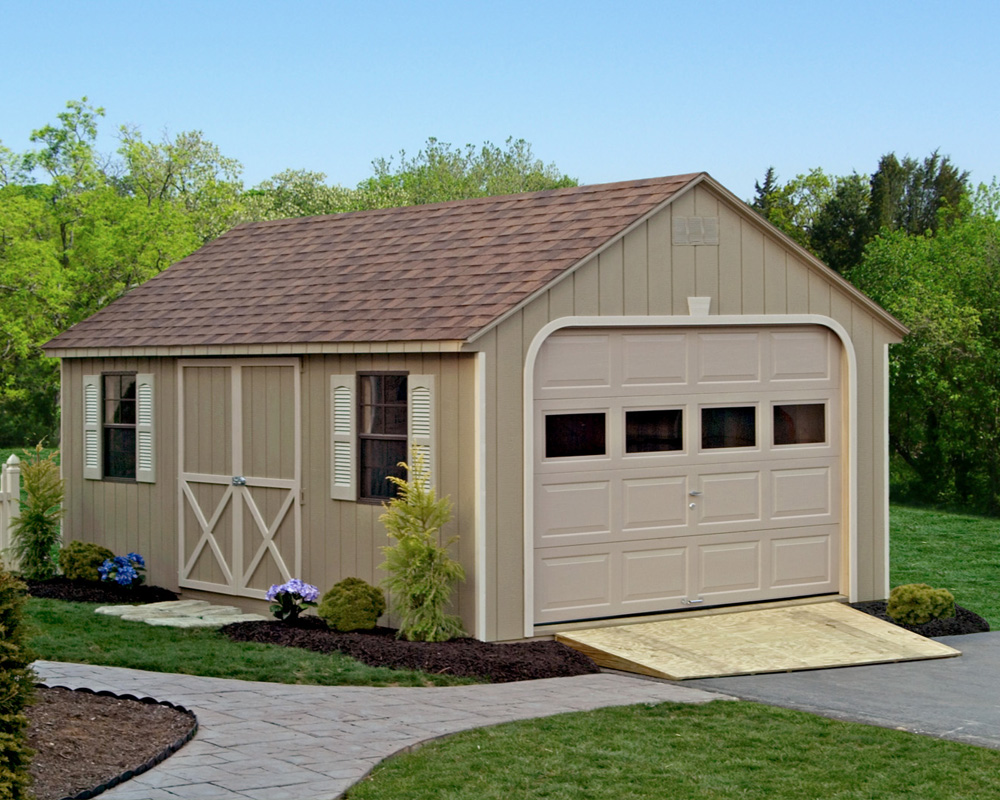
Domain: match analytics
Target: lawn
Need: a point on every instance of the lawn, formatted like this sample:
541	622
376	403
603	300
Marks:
951	551
716	751
73	632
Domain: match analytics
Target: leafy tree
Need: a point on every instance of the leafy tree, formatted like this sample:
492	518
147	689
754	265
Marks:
841	227
916	196
944	418
793	207
295	193
441	172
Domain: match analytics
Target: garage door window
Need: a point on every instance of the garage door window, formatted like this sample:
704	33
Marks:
802	423
734	426
573	435
657	431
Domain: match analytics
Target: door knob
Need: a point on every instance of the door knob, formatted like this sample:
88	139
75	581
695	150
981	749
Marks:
695	493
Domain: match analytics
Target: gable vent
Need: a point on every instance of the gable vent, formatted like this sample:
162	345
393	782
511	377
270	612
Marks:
696	230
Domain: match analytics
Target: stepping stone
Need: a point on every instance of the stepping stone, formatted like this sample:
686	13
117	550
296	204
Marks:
180	614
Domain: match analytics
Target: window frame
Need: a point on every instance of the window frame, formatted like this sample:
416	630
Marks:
362	437
133	426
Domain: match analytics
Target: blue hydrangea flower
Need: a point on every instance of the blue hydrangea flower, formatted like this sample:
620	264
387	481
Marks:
136	559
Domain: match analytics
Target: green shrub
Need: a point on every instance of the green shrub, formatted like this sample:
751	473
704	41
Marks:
421	574
17	682
917	603
352	605
79	560
35	533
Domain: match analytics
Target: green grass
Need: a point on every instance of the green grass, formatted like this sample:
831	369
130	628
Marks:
951	551
718	751
72	632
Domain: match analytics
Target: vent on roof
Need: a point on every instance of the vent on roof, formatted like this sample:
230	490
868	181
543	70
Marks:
696	230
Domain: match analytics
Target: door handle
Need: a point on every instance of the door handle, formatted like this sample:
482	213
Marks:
239	480
695	493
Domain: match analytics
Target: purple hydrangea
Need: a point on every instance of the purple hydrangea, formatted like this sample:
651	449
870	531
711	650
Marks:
306	591
123	570
290	599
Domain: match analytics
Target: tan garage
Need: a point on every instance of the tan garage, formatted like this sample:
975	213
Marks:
640	397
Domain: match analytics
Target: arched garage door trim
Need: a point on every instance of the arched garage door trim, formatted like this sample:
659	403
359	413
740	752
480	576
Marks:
758	320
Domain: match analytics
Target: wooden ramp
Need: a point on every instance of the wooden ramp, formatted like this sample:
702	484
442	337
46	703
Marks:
812	636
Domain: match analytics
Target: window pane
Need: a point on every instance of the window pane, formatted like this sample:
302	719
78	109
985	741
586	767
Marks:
568	435
127	387
371	419
395	420
653	431
378	461
112	387
119	453
803	423
728	427
395	389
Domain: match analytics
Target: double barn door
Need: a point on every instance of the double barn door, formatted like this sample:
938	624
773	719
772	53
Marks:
240	481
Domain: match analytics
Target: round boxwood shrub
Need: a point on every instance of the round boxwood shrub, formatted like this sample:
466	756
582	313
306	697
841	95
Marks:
917	603
80	560
352	605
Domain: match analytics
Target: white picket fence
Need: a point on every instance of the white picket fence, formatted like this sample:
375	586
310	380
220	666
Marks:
10	495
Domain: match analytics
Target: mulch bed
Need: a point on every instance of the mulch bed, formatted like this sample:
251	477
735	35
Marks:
963	622
379	647
97	591
84	740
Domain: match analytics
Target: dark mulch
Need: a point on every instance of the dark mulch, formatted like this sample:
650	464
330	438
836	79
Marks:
97	591
497	663
963	622
83	740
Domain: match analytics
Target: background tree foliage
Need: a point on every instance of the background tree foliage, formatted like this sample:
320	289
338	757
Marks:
78	229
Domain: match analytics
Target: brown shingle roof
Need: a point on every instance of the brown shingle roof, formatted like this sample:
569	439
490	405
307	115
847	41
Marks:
431	272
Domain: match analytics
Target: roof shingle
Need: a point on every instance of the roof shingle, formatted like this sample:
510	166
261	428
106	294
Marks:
419	273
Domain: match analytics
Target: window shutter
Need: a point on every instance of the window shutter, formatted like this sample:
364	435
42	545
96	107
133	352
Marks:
145	449
343	438
92	419
421	423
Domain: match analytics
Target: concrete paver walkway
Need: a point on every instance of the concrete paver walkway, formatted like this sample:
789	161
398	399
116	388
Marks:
272	741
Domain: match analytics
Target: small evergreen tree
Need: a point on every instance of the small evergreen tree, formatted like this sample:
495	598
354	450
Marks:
35	533
421	574
17	682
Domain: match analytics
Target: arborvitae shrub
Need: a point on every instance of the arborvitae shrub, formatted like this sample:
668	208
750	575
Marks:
17	685
35	531
917	603
421	573
80	560
352	605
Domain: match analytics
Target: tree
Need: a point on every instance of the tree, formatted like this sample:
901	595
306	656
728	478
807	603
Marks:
944	416
841	228
794	207
440	172
295	193
916	196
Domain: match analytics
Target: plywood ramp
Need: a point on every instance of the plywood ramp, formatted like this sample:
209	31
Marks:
813	636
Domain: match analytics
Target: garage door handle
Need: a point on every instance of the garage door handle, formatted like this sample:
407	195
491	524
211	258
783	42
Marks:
695	493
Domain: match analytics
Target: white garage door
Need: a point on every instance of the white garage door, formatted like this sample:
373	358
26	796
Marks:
678	468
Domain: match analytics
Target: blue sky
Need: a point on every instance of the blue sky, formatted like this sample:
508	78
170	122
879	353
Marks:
607	91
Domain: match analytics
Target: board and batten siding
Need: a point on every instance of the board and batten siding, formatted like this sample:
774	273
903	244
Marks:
124	516
340	539
750	272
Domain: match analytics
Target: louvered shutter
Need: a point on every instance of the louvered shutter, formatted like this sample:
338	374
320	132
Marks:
421	423
92	419
343	438
145	449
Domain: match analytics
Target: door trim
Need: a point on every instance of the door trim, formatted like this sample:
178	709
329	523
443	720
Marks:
849	519
242	501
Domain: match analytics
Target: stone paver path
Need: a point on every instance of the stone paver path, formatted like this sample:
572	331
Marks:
271	741
180	614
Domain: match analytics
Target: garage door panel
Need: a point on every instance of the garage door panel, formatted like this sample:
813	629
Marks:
574	511
568	364
729	497
573	585
654	359
802	492
657	576
803	561
803	355
729	567
728	357
654	503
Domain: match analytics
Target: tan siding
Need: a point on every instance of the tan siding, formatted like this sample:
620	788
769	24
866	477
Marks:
683	278
861	335
491	592
819	295
660	269
636	272
730	272
586	292
775	287
706	258
612	281
797	287
752	249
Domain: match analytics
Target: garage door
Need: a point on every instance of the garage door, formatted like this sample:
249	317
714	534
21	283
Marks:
678	468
